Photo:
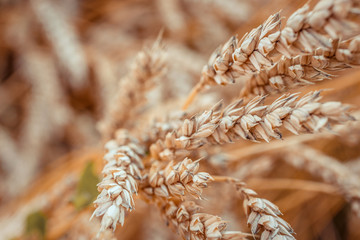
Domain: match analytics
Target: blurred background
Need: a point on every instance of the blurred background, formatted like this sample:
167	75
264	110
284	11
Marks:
60	65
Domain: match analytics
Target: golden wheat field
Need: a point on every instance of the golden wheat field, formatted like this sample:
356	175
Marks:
180	119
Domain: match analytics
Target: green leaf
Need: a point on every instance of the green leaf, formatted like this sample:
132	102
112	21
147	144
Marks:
86	190
36	224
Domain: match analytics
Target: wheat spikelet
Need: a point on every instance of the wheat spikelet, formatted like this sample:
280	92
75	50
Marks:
191	224
121	173
253	121
175	180
148	65
302	34
236	57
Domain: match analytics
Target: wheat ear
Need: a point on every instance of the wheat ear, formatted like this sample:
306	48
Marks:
253	121
121	173
235	53
329	169
149	64
263	216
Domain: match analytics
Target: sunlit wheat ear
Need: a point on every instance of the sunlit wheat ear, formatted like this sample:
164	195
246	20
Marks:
241	56
237	57
253	121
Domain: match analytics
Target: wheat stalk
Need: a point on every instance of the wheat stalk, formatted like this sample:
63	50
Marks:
253	121
64	39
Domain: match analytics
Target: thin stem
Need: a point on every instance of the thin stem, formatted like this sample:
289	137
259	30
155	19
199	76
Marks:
290	184
225	179
192	95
